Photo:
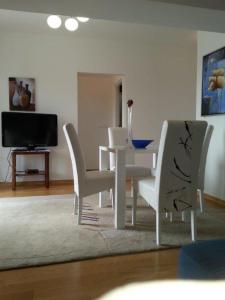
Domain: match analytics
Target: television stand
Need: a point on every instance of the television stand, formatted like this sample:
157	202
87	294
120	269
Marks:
30	149
30	172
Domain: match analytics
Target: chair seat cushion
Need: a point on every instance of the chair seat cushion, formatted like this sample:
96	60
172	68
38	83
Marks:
146	188
203	260
136	171
97	181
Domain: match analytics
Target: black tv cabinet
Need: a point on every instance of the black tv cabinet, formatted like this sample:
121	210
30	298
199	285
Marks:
16	173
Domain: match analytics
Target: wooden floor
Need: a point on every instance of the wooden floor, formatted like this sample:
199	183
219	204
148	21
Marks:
85	279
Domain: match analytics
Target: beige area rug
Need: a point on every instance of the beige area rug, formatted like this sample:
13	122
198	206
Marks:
42	230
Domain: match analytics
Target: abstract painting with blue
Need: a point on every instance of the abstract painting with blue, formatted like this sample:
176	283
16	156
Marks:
213	83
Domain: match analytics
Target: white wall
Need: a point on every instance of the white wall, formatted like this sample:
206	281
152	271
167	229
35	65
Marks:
215	168
159	77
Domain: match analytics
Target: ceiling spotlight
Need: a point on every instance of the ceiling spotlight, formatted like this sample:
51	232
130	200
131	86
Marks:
82	19
71	24
54	21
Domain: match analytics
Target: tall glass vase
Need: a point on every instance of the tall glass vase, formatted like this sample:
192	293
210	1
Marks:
129	125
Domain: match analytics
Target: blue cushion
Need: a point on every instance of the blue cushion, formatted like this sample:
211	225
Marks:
202	260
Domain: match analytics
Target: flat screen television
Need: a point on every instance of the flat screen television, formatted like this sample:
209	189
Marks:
29	130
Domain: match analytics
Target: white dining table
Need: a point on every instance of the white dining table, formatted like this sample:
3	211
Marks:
120	176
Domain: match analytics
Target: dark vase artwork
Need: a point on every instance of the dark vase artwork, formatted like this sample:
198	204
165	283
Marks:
21	94
213	83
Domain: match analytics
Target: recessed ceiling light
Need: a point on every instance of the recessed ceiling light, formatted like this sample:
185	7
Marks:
82	19
71	24
54	21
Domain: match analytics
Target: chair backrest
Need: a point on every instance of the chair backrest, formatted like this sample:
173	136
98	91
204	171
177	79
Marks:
205	148
118	136
178	165
77	158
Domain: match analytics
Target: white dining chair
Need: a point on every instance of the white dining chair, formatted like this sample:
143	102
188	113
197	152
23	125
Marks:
174	188
201	175
85	182
118	136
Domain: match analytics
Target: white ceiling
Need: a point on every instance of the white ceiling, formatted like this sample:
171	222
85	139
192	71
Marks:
211	4
198	16
32	23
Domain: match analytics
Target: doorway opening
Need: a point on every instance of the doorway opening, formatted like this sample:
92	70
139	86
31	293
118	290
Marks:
100	105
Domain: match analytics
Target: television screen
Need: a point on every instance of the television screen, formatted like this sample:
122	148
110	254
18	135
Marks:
29	130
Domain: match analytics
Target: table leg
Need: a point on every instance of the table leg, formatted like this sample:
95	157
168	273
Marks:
103	165
120	189
13	171
47	170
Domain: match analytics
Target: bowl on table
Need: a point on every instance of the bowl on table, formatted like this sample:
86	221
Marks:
141	144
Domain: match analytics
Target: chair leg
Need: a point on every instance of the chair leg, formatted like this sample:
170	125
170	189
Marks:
183	216
75	204
80	202
134	206
193	226
186	216
112	197
171	216
158	229
201	200
132	181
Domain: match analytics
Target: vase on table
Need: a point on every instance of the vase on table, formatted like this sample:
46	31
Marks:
129	122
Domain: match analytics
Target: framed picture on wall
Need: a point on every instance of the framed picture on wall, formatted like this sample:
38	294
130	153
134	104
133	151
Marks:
21	94
213	83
